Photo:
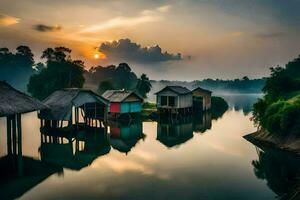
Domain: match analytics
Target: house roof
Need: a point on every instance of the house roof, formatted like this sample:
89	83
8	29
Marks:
177	89
60	102
62	98
13	101
204	90
118	95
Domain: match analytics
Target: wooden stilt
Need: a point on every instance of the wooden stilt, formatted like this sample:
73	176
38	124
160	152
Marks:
20	159
14	135
8	125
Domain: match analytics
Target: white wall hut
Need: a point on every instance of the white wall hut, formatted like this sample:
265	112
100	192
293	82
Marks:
174	98
62	102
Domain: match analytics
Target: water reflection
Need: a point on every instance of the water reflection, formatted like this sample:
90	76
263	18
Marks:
174	132
241	101
73	150
125	135
215	162
280	169
20	174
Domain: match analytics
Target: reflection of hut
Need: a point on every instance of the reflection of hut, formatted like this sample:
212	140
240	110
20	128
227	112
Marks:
75	153
172	134
61	105
123	102
125	136
201	99
13	103
174	99
34	172
201	122
92	143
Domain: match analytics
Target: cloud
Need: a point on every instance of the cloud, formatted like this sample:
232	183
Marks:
121	21
125	50
164	8
46	28
271	35
6	20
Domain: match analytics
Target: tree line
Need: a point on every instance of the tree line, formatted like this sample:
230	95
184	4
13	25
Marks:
61	71
279	109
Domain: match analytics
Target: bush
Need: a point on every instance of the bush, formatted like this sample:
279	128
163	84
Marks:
283	117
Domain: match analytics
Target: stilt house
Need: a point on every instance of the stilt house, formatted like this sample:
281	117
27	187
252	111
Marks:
62	102
174	99
121	101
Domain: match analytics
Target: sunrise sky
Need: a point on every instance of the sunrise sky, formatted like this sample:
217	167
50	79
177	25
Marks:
203	38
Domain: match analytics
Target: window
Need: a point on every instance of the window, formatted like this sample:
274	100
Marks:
163	100
172	101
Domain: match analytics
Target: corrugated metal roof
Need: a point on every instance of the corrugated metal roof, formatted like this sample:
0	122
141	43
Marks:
60	102
204	90
13	101
118	95
176	89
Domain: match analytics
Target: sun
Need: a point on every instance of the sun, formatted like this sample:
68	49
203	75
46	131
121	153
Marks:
96	56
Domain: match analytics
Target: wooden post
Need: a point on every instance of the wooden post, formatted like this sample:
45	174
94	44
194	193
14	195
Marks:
14	134
19	130
8	126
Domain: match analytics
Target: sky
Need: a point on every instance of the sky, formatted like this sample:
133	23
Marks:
166	39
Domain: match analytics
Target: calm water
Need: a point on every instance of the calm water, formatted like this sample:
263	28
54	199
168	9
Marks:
196	159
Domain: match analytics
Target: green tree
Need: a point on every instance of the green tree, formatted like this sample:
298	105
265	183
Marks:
61	72
143	85
16	68
279	110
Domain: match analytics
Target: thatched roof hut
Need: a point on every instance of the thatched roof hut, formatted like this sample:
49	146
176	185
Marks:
60	102
14	102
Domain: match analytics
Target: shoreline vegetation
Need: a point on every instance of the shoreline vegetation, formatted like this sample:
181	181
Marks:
277	114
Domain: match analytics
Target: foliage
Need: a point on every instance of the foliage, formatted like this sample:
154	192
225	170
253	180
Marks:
16	68
279	110
61	72
143	85
150	106
120	77
218	106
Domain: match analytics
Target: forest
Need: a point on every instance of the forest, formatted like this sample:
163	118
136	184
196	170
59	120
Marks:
59	70
279	109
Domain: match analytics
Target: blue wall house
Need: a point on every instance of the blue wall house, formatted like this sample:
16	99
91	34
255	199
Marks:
123	102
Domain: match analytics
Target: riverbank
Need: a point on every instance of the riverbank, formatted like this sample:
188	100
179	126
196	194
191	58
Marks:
263	137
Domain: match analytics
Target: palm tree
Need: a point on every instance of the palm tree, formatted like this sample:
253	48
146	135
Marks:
143	85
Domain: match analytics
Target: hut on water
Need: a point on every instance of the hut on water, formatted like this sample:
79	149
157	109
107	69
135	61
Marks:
123	102
201	99
62	102
13	103
174	99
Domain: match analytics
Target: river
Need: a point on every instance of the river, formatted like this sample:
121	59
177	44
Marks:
200	158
